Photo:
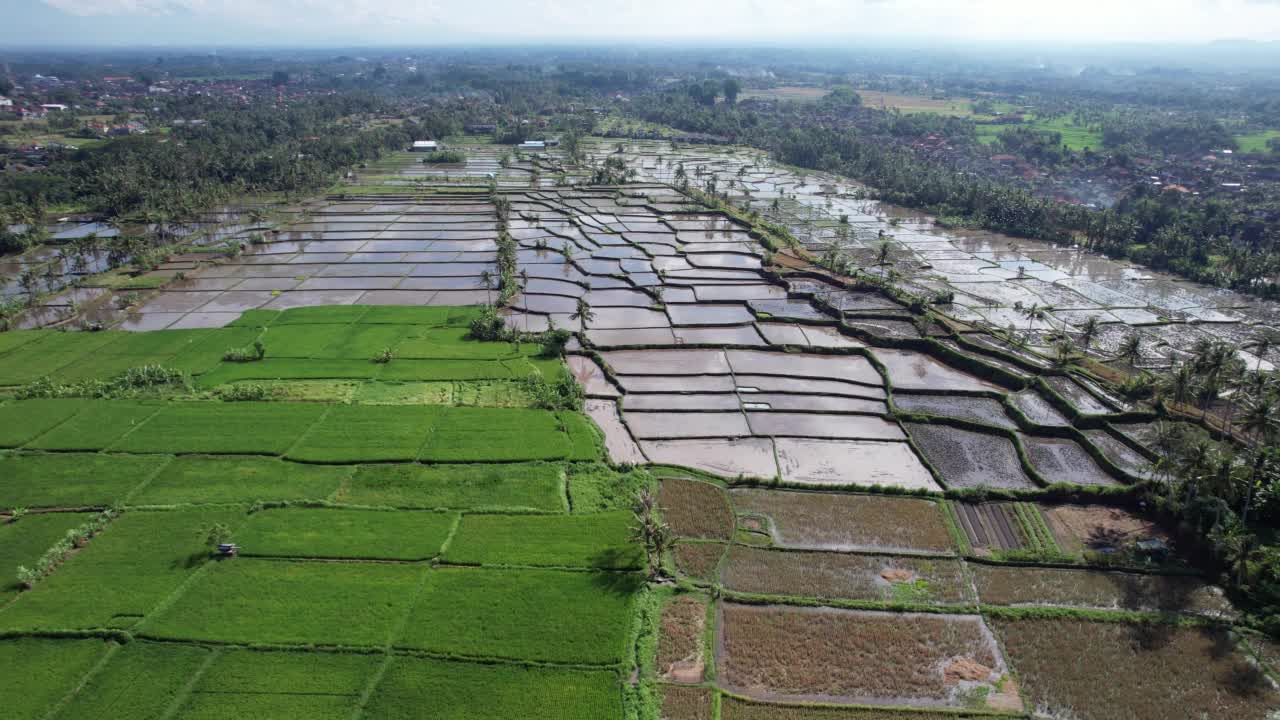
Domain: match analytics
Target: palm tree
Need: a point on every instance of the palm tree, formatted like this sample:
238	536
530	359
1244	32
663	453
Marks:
1032	313
1089	331
651	532
1180	385
1259	418
882	252
583	312
1260	344
1063	352
486	280
1130	350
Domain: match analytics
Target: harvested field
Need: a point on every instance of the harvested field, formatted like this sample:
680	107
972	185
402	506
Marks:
770	652
1152	672
696	509
967	459
840	576
991	526
837	521
685	703
735	708
680	639
1079	529
1004	585
699	560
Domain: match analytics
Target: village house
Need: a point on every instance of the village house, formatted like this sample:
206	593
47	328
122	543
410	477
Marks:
425	146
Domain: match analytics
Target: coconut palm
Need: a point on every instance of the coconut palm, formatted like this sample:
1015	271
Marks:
1260	418
651	532
583	312
1260	344
1089	331
1130	350
486	281
1180	385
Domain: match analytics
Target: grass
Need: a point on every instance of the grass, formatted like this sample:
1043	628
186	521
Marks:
49	670
516	486
23	541
1258	142
238	479
588	541
248	601
815	652
549	615
97	426
22	421
72	479
140	682
364	433
496	434
1152	671
836	521
467	691
958	107
1075	137
249	683
596	487
339	533
121	575
53	350
247	428
696	509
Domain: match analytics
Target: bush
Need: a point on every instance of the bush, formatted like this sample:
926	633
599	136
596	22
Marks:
246	354
445	156
563	393
383	357
75	538
488	326
245	392
127	383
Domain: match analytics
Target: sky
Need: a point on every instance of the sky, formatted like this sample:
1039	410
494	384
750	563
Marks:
443	22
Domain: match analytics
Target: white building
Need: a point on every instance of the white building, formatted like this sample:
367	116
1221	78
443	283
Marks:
425	146
5	102
532	146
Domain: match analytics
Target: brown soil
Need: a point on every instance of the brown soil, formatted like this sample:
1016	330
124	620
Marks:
680	644
897	575
965	669
753	524
1008	698
1087	527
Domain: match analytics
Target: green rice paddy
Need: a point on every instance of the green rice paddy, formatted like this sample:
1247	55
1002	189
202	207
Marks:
405	532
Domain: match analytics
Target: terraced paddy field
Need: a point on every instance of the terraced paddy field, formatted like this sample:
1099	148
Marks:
868	517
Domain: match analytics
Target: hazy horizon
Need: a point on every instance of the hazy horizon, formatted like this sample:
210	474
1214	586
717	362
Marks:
826	23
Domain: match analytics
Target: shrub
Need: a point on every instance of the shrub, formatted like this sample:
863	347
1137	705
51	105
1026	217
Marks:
246	392
562	393
246	354
74	539
445	156
383	357
488	326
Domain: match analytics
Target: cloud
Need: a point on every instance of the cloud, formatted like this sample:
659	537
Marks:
374	21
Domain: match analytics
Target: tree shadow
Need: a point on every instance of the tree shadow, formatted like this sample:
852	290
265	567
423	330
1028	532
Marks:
616	574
